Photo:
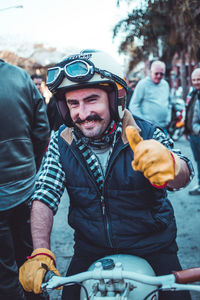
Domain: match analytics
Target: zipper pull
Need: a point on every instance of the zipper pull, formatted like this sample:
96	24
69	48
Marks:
103	205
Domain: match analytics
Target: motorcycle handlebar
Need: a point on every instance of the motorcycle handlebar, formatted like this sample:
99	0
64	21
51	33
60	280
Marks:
176	280
187	276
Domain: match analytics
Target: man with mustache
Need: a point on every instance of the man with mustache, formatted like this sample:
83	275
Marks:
116	205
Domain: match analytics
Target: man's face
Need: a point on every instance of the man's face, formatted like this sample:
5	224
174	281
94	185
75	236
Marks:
157	72
196	80
89	110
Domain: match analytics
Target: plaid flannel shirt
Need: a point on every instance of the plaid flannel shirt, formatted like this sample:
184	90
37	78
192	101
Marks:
51	178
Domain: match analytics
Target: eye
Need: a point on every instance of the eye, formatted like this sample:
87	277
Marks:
91	99
72	103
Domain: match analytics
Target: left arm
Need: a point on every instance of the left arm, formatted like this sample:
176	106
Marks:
182	178
186	171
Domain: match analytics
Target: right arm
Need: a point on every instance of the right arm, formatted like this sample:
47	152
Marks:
49	190
32	272
41	224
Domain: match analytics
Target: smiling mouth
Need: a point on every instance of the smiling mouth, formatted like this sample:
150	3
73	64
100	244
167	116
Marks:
88	124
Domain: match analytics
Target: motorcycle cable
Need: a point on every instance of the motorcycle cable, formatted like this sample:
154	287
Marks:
152	292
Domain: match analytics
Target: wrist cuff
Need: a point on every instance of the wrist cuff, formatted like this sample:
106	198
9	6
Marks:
46	254
159	186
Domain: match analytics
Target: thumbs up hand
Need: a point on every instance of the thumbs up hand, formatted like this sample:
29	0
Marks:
154	160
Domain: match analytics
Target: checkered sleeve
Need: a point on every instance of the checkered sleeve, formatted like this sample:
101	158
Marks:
160	136
50	183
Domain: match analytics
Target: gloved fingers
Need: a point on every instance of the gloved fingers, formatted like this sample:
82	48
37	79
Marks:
159	170
28	273
52	268
32	272
153	159
153	168
143	161
139	155
37	280
133	137
160	179
158	184
143	148
23	282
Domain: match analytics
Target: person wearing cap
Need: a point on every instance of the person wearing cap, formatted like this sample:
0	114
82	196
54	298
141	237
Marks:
116	168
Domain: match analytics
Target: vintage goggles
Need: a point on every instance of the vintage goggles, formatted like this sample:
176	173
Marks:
79	70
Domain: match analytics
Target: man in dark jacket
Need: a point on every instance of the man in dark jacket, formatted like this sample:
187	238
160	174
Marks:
24	134
192	124
115	206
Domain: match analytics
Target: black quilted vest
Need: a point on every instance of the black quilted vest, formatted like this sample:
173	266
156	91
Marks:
131	213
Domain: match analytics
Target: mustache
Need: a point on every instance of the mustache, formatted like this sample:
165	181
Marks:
89	118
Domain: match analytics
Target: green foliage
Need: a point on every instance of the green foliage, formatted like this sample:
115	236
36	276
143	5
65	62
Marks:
173	24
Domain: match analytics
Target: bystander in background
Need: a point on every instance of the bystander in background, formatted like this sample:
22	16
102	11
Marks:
192	124
37	79
24	135
151	98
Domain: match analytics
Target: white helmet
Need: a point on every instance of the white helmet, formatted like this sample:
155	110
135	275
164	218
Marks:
89	68
138	291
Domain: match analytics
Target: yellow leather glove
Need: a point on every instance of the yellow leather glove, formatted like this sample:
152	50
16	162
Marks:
31	273
155	161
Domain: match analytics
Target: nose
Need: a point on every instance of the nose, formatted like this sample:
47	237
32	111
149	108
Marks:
84	111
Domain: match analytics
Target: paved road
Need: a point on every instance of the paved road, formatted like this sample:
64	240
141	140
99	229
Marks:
187	212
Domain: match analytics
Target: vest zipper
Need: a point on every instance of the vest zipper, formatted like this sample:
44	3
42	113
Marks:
103	205
106	221
103	201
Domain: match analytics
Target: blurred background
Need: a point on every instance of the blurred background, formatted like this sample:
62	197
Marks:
36	34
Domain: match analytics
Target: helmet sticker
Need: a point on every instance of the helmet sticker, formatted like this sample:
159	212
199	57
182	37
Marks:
80	56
